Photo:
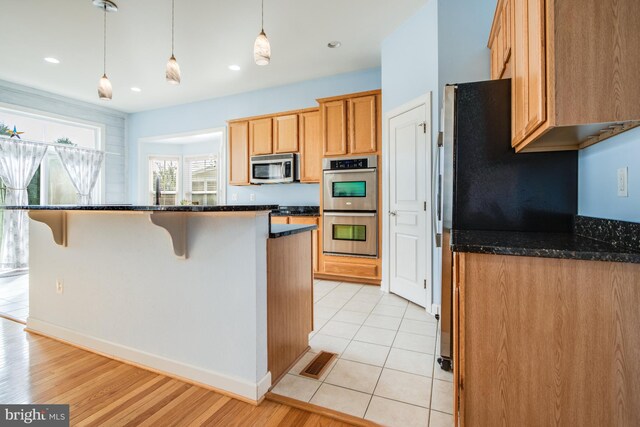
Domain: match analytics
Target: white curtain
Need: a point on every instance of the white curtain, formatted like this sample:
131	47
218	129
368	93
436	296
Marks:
83	167
19	161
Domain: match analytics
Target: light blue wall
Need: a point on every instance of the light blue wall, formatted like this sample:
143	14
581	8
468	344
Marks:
214	113
410	58
444	42
597	178
463	33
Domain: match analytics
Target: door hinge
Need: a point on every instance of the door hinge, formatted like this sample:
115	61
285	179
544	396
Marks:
425	206
425	283
423	125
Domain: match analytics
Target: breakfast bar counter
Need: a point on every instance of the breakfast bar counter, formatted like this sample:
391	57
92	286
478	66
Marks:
183	290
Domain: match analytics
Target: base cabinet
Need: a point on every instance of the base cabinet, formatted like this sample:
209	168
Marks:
289	301
315	235
546	342
352	268
316	243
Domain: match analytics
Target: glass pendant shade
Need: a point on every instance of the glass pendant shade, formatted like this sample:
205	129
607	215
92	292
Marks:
173	71
105	91
262	50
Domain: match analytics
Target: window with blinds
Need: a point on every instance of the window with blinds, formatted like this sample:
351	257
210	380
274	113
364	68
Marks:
167	170
202	180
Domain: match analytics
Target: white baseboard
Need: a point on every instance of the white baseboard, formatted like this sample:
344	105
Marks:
264	385
435	309
218	381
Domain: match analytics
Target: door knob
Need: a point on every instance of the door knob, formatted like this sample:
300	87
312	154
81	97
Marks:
393	213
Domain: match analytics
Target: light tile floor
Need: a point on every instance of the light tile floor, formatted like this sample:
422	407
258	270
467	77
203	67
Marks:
14	296
386	370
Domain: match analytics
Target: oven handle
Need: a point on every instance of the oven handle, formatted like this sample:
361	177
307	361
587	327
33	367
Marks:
350	170
349	214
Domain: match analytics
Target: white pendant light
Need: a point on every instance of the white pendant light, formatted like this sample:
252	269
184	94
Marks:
105	91
172	73
262	48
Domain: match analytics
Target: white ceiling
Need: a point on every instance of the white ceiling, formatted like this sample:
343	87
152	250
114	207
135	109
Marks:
210	36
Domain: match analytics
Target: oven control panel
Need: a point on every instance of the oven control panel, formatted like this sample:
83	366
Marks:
342	163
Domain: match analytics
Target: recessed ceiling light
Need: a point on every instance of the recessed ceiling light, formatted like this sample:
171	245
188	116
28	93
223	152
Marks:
136	89
52	60
334	44
234	67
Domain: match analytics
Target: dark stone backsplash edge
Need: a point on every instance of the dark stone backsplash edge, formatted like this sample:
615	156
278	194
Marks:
622	234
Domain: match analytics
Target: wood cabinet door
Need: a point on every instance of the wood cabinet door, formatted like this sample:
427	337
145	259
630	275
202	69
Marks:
499	48
495	67
261	136
239	153
334	127
458	338
529	92
285	134
363	124
506	30
310	147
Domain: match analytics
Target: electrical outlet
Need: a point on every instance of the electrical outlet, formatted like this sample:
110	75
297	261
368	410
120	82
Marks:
252	197
623	191
59	286
234	197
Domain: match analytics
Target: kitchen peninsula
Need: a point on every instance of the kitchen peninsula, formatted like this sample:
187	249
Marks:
209	294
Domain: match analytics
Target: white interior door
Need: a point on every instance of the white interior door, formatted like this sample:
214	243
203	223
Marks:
409	213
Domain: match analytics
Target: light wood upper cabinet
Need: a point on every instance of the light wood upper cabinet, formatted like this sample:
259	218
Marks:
239	153
529	69
297	131
285	134
334	127
506	30
310	147
363	120
574	68
261	136
500	41
351	123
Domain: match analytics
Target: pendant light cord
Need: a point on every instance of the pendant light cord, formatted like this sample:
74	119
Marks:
104	51
262	22
173	20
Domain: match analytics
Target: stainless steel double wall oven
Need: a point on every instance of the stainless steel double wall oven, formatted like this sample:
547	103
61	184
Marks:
350	194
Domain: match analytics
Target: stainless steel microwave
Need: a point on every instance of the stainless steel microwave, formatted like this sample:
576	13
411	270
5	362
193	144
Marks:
275	169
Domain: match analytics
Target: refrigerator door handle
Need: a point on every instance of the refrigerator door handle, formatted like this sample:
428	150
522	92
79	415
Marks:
435	193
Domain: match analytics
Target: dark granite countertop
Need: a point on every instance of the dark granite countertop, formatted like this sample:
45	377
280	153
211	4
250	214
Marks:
297	211
150	208
281	230
544	245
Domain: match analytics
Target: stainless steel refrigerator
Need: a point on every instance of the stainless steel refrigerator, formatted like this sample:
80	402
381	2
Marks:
486	186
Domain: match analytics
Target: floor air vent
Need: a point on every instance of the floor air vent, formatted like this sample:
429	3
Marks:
318	365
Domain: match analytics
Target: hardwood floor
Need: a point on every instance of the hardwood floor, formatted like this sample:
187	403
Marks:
101	391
